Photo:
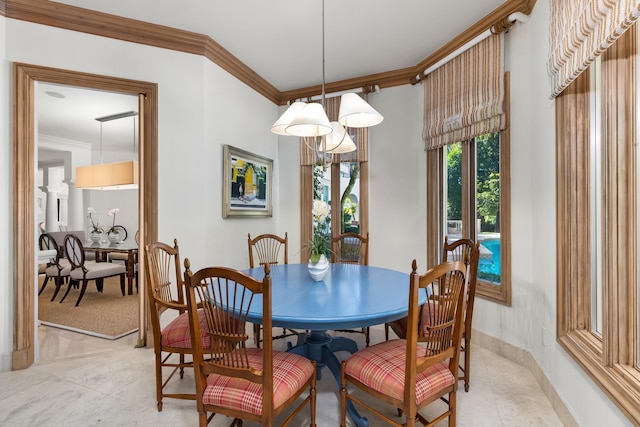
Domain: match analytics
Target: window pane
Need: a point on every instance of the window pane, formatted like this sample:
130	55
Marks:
488	206
350	193
322	184
453	191
596	201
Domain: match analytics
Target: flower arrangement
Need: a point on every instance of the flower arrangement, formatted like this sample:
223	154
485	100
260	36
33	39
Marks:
319	244
113	213
95	224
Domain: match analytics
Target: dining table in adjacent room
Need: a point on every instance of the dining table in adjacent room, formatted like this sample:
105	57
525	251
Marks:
350	296
102	250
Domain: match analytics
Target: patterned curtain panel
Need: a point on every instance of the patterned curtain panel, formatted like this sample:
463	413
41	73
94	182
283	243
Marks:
465	97
580	30
361	139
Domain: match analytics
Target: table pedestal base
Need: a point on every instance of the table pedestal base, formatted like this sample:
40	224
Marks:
320	346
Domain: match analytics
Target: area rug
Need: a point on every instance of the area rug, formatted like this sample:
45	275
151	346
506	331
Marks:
106	315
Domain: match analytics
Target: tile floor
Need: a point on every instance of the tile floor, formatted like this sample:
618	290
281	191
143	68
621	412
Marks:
85	381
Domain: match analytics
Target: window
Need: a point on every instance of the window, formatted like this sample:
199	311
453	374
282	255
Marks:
474	178
597	214
343	182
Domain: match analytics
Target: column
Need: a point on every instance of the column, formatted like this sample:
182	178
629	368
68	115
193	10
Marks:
64	211
51	221
75	219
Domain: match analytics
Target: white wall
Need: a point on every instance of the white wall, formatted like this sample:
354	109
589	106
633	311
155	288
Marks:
397	162
6	229
289	192
201	108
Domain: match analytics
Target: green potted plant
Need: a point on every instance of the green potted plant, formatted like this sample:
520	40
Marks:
96	230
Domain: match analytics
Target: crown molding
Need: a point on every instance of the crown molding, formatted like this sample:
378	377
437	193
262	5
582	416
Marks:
102	24
97	23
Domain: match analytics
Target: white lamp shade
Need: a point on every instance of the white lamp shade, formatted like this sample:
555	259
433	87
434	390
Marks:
355	112
339	141
310	121
285	119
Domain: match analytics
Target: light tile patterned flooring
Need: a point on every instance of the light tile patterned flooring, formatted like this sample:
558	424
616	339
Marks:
85	381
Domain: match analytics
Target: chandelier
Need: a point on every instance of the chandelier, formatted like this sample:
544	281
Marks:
110	176
309	120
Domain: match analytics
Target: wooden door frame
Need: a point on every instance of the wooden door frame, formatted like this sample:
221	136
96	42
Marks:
23	136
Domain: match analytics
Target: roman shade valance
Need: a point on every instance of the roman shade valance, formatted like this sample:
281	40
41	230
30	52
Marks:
580	30
465	97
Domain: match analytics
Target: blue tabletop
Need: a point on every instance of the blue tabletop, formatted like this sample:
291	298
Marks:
350	296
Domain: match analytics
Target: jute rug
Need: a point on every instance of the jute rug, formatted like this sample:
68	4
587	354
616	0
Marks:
106	315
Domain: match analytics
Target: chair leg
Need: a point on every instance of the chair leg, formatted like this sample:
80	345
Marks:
122	283
343	397
100	284
365	331
46	279
256	334
467	364
82	291
410	420
159	381
181	366
203	419
71	283
386	332
58	282
452	409
312	399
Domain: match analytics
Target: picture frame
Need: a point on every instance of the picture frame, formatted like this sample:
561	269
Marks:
247	180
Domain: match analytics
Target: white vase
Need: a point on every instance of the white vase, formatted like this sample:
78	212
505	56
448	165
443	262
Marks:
113	236
95	236
317	270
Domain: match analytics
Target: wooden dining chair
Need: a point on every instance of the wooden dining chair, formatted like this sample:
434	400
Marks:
351	248
269	249
172	340
409	374
83	271
469	252
57	269
233	379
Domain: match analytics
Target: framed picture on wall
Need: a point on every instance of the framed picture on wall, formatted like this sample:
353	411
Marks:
247	184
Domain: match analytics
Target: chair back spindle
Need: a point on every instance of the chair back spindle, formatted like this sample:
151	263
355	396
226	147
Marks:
267	248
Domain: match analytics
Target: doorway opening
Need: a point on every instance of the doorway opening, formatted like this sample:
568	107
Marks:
24	206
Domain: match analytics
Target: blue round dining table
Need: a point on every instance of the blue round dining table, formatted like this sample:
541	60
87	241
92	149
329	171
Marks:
350	296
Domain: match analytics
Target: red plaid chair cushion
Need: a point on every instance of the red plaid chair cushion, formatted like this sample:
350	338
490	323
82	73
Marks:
290	372
176	334
400	326
381	367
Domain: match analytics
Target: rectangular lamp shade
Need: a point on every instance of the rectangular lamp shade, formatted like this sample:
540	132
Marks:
109	176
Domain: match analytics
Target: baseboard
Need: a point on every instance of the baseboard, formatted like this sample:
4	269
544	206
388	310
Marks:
524	358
